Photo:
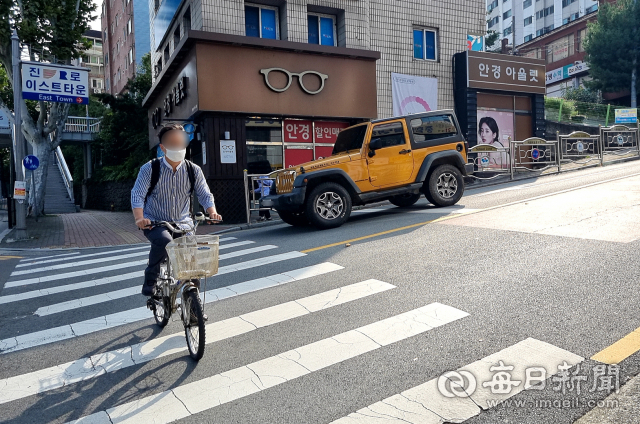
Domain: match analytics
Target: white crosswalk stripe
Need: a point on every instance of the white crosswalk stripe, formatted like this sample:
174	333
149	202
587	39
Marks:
426	404
201	395
52	256
83	369
68	331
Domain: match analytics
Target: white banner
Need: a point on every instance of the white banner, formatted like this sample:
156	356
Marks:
413	94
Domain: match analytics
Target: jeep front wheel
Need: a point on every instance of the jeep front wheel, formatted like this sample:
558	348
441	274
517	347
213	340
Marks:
297	219
328	206
405	200
445	186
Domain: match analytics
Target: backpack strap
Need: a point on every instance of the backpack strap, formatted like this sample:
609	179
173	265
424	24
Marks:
192	179
155	177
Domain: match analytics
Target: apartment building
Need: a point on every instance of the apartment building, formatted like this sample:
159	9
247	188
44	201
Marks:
125	38
93	58
524	20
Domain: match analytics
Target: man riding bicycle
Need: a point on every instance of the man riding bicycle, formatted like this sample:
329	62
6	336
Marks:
162	192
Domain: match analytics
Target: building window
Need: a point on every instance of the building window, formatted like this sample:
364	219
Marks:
131	55
129	26
528	38
544	12
507	31
582	36
492	6
104	37
116	19
186	20
118	47
106	83
322	29
264	145
106	58
591	9
166	54
528	21
176	37
566	3
560	49
526	4
425	44
262	22
506	14
158	67
493	21
156	4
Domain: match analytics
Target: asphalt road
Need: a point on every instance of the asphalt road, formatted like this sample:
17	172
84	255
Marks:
537	273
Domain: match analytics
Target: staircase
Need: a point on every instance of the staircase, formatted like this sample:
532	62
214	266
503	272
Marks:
56	197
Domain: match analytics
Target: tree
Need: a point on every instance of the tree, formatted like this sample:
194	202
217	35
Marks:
490	39
123	140
612	46
50	30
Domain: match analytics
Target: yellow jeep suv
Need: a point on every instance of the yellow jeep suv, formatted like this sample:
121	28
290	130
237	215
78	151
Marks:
393	159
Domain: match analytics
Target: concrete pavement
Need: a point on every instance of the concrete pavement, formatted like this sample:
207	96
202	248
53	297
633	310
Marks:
307	330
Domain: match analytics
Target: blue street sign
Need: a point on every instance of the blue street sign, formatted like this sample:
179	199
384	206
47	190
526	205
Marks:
535	154
31	162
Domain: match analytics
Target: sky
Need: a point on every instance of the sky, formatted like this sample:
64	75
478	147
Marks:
95	24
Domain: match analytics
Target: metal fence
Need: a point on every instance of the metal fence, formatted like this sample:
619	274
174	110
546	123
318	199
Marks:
489	161
579	148
567	151
82	124
534	154
252	193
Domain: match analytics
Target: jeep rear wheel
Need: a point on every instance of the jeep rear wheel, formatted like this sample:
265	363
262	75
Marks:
445	186
297	219
328	206
405	200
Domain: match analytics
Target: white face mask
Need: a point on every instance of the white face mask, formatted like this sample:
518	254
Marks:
176	155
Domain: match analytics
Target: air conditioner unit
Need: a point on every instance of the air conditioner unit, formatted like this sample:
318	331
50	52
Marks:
97	90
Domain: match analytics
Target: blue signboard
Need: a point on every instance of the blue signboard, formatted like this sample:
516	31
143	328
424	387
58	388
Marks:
535	154
31	162
55	83
475	43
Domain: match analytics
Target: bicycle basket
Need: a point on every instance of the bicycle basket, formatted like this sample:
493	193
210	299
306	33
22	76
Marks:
193	257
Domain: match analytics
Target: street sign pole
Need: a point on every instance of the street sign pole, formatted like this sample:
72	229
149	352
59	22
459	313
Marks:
21	216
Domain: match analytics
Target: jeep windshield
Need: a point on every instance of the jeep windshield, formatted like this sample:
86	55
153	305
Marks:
350	139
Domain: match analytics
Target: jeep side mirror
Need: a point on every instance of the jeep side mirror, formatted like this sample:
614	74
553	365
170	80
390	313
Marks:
374	145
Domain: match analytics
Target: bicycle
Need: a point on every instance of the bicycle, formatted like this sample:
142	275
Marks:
190	260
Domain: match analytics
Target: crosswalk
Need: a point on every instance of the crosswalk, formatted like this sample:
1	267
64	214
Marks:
58	293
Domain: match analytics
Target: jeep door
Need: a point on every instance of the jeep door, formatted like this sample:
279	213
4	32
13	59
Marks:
392	164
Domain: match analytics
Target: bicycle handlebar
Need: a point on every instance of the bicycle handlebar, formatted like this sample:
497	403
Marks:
171	226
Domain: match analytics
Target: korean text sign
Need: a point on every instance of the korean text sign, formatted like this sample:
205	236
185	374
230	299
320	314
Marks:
492	71
55	83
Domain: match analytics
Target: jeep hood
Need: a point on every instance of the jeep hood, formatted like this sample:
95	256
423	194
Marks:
325	163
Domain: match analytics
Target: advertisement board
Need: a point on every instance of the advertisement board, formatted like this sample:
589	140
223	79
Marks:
412	94
495	129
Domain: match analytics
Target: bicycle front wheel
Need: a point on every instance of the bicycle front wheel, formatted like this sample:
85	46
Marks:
193	320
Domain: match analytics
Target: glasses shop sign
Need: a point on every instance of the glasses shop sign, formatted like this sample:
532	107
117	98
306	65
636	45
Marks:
492	71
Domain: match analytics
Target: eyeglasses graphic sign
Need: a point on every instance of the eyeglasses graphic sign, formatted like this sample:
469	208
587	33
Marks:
301	76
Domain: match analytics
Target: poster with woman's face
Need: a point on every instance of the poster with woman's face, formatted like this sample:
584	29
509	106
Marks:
495	128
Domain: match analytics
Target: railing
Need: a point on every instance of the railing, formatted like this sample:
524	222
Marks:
489	159
250	185
64	171
579	148
82	124
534	154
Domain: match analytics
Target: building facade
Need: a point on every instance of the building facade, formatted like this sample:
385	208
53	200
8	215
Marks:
524	20
93	58
125	37
270	84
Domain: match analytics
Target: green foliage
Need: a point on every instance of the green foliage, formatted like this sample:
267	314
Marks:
581	94
96	108
612	44
491	38
122	145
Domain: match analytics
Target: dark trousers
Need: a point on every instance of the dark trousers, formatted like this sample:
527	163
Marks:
266	213
159	238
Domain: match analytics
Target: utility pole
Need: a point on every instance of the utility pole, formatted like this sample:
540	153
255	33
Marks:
21	215
634	96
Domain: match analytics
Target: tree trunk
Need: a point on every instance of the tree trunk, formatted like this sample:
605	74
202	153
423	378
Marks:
41	150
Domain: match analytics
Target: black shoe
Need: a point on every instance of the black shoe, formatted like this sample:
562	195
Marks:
147	290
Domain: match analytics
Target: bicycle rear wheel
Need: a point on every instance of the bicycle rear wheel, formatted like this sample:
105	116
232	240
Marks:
161	311
193	320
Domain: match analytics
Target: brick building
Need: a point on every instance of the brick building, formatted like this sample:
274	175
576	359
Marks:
125	37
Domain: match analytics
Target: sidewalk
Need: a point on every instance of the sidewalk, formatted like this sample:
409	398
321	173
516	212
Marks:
85	229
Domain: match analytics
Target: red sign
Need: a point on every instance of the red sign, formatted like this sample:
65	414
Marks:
327	132
323	151
296	156
297	131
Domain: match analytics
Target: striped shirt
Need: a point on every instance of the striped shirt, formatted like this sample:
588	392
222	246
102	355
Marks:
169	200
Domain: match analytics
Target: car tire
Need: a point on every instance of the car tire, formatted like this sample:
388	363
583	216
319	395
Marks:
328	206
297	219
405	200
445	186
